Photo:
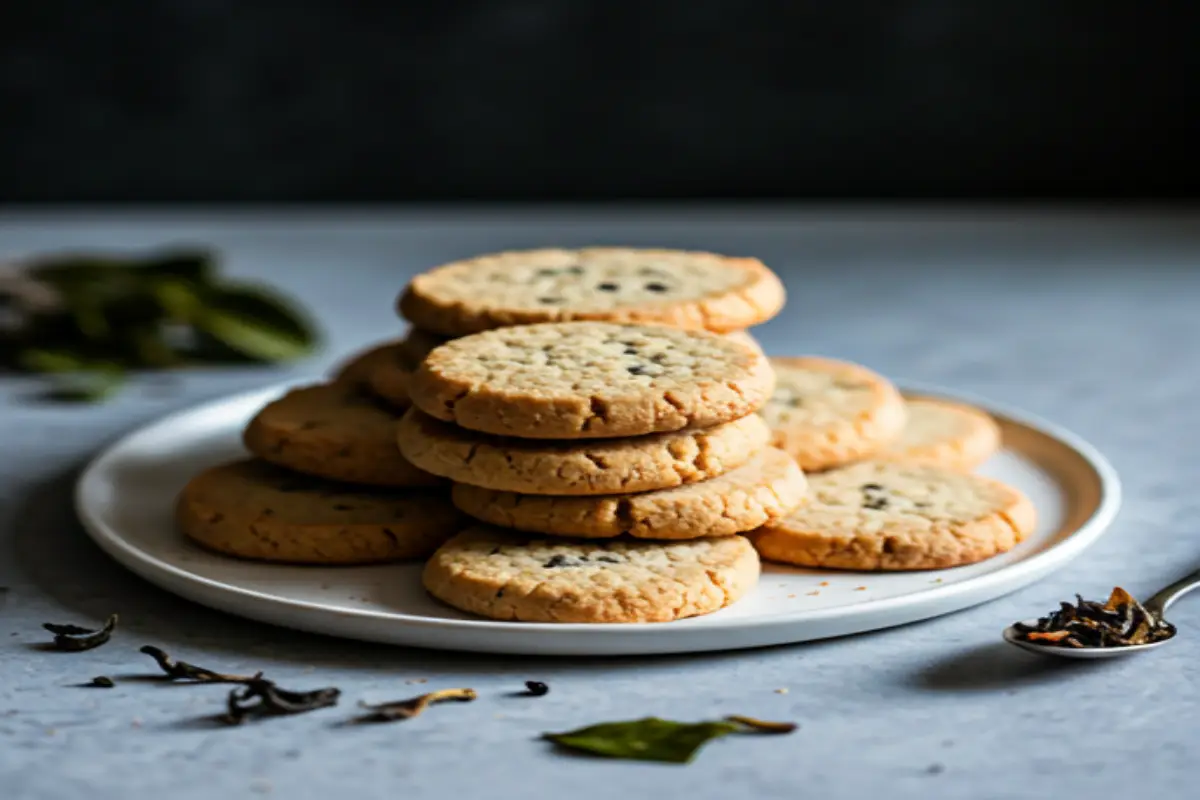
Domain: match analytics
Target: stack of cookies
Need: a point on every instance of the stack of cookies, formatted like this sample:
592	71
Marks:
586	435
613	447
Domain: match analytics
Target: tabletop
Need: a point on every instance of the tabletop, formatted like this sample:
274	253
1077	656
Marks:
1088	317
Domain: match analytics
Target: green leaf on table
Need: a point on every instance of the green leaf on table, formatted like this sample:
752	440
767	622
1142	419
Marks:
255	323
654	739
180	300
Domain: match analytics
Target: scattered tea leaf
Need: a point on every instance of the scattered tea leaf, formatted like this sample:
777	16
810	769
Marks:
260	697
103	682
75	639
762	725
181	670
407	709
536	688
256	324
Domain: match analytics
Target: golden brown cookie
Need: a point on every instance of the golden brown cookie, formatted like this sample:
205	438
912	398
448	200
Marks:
575	380
945	434
610	284
255	510
760	491
580	466
879	515
508	576
384	371
358	368
334	431
826	413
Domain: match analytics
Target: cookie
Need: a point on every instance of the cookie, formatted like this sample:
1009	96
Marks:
572	380
255	510
357	369
420	343
611	284
826	413
945	434
507	576
879	515
762	490
333	431
579	467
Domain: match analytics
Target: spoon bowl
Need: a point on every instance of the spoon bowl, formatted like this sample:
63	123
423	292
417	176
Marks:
1156	606
1013	636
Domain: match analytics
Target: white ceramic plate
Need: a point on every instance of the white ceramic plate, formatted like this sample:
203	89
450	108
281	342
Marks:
125	499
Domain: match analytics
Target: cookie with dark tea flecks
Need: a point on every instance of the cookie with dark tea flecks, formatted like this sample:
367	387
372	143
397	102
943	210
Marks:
507	576
611	284
255	510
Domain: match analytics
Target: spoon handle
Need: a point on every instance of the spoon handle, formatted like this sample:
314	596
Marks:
1159	603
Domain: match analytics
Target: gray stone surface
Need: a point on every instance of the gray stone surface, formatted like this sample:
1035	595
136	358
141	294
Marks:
1090	319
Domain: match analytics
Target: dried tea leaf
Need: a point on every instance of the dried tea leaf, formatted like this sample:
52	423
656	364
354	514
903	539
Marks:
260	697
1118	598
407	709
1119	622
762	725
102	682
75	639
255	323
181	670
536	689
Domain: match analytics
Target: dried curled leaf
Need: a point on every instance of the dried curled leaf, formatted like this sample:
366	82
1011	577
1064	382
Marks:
75	639
654	739
407	709
181	670
262	698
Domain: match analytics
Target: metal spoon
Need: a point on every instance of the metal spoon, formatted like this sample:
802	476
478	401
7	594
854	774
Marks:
1156	606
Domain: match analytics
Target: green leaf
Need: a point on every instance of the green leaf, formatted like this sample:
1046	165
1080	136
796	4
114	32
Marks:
37	359
648	739
192	265
654	739
89	386
179	299
255	323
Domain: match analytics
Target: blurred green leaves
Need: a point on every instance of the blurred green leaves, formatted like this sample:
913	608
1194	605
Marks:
86	320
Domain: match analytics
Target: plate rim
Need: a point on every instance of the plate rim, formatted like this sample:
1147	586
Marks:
1013	576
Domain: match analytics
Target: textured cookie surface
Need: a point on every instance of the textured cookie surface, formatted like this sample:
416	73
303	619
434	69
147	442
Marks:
946	434
826	413
669	287
582	466
334	431
878	515
358	368
255	510
764	489
508	576
591	380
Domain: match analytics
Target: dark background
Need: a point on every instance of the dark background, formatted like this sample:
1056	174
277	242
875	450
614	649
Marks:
221	100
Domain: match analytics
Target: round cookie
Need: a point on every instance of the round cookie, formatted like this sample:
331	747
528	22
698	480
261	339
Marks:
879	515
579	467
945	434
826	413
333	431
573	380
507	576
357	369
612	284
255	510
759	492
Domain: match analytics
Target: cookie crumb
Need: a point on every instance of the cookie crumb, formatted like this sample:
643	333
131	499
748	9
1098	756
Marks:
860	588
791	597
823	583
417	680
936	580
781	691
813	593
